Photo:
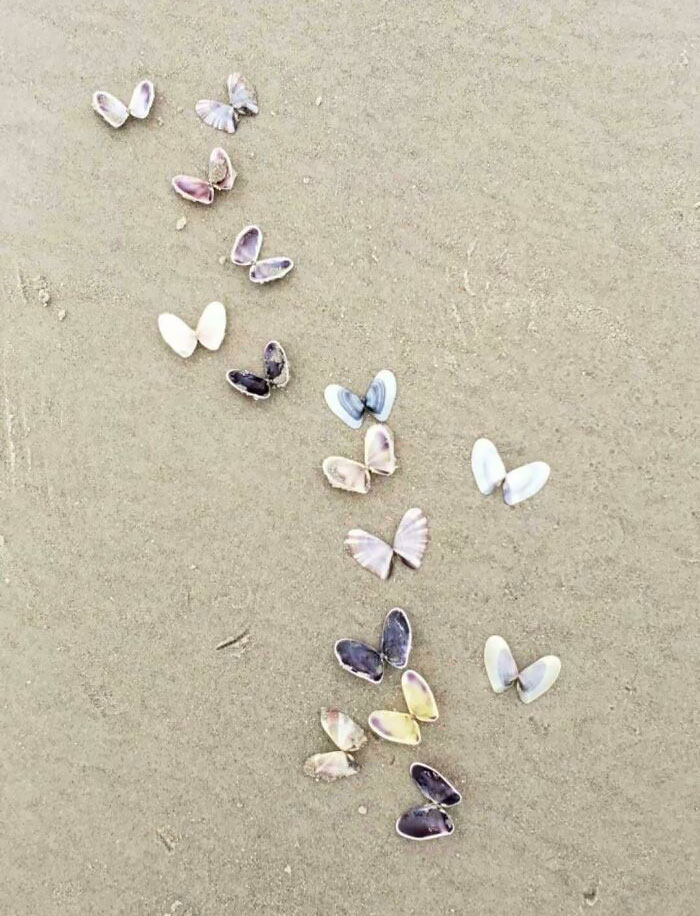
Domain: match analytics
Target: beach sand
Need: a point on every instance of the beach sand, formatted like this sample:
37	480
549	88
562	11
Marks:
148	512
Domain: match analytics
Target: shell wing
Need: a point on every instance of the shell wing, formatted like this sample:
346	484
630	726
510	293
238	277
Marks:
381	394
345	474
276	364
525	481
331	766
345	404
370	552
270	269
247	245
241	94
380	456
426	823
419	697
142	99
249	384
359	659
211	326
411	538
195	189
216	114
396	638
110	108
398	727
487	467
499	663
221	173
434	785
343	731
178	336
538	677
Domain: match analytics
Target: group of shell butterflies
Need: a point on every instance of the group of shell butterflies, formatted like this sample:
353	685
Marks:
210	329
433	820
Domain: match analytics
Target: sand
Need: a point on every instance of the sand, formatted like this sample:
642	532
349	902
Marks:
148	512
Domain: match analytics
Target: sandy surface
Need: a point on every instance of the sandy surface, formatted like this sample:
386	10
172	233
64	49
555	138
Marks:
148	512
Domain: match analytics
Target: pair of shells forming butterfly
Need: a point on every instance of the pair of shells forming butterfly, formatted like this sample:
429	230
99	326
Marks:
242	99
429	822
221	178
276	374
378	400
348	736
380	459
374	554
502	671
402	727
245	253
490	472
209	332
394	648
115	113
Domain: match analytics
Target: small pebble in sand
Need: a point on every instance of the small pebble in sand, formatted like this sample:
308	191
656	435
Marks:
181	223
160	122
305	179
61	314
288	869
222	259
44	297
180	109
362	810
319	99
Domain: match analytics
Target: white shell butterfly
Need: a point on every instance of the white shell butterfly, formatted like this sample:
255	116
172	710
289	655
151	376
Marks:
490	472
115	112
378	400
530	682
209	332
243	101
374	554
221	176
380	458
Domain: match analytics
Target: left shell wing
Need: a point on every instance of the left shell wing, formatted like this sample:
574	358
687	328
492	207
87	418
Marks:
178	336
216	115
370	552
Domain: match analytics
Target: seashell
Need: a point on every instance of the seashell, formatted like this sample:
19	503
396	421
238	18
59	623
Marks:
537	678
270	269
346	735
330	766
525	481
410	544
216	115
115	113
378	400
428	822
343	731
245	253
380	458
397	638
241	95
225	117
487	467
210	330
276	374
434	785
110	108
247	245
500	664
401	727
345	474
395	726
368	663
489	473
249	383
276	365
221	178
142	99
195	189
531	682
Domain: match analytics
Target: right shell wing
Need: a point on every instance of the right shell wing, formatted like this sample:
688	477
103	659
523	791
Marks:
411	538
